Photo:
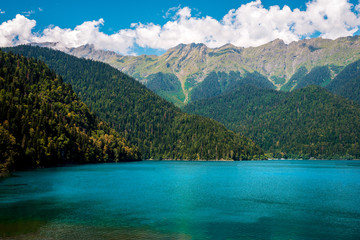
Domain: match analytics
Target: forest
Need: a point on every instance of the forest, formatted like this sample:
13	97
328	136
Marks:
43	122
158	128
306	123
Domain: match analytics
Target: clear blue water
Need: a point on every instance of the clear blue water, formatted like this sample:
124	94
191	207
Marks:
184	200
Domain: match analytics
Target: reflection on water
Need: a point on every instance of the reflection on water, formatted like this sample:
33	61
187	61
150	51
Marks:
184	200
58	231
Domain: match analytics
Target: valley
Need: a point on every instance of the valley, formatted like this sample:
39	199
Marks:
269	103
191	64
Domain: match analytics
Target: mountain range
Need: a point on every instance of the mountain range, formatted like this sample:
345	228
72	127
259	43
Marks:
185	68
158	128
264	95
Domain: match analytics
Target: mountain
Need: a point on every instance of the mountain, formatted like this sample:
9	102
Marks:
276	61
157	127
305	123
347	82
87	51
218	82
43	123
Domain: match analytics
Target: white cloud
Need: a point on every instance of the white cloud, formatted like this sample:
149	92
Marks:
16	31
28	13
171	11
19	31
249	25
40	9
252	25
86	33
2	11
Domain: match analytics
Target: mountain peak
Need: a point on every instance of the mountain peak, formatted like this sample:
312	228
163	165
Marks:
197	45
228	45
185	50
190	46
89	51
277	42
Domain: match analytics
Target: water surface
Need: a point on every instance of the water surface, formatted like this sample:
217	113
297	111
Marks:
184	200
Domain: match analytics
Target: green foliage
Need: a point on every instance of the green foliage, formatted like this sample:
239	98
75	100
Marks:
218	82
317	76
278	80
347	82
299	74
43	123
157	127
254	78
190	81
310	122
167	86
8	150
313	49
163	82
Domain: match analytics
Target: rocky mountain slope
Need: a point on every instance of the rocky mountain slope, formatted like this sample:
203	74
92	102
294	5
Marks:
191	64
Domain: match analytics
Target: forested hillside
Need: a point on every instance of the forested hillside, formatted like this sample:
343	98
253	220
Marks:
309	122
157	127
347	82
43	123
218	82
193	63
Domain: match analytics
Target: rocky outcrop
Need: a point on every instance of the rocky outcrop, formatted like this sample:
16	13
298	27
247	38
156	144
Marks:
192	63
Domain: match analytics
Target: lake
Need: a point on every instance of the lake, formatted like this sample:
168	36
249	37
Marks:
184	200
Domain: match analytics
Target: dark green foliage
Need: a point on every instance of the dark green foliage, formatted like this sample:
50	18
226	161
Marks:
313	49
278	80
43	123
347	82
299	74
310	122
197	138
336	69
167	86
163	82
255	79
190	81
319	76
212	85
9	150
218	82
156	126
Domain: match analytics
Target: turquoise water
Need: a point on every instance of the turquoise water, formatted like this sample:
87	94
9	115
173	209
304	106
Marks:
184	200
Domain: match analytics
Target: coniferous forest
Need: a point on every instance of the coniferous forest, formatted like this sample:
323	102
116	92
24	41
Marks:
43	123
158	128
306	123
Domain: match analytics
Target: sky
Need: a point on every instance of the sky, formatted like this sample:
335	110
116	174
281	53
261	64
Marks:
152	27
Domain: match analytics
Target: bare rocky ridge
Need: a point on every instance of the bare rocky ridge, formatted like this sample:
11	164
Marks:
87	51
191	63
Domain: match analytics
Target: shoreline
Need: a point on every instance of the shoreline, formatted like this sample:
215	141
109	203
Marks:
4	175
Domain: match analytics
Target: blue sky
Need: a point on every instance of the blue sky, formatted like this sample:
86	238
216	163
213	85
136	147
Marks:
164	24
118	14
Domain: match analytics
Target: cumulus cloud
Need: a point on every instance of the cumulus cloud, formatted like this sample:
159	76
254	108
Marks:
249	25
16	31
252	25
86	33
